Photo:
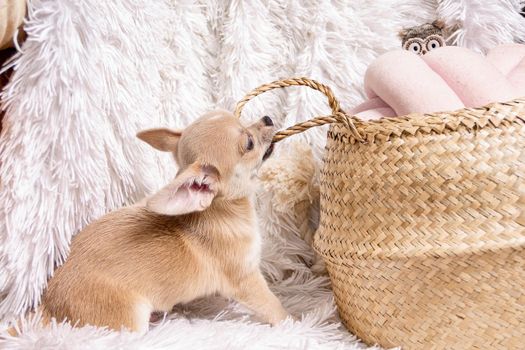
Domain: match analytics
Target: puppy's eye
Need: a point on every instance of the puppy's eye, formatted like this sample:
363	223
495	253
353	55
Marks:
250	144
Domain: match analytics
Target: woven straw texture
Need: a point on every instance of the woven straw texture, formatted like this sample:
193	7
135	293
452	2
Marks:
422	224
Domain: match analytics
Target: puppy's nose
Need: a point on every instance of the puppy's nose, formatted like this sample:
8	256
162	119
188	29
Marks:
267	121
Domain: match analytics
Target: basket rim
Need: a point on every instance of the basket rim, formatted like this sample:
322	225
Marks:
470	119
371	252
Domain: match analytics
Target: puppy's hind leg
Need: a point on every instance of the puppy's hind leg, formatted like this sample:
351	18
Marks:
105	304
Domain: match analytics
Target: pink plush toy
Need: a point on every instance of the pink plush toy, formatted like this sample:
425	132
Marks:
445	79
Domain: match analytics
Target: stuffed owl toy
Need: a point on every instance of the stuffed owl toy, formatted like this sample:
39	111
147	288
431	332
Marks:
424	38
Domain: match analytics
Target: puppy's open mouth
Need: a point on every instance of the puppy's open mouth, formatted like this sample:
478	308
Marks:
268	152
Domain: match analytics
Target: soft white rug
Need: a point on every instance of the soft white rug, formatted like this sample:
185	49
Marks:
92	73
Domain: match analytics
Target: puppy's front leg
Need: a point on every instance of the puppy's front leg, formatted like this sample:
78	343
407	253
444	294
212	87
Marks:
254	293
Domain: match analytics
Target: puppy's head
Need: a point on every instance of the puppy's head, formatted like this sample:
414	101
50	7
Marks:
217	157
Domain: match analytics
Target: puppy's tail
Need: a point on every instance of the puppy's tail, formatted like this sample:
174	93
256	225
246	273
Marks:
40	316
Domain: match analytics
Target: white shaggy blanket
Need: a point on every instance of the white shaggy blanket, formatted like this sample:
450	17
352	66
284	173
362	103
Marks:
92	73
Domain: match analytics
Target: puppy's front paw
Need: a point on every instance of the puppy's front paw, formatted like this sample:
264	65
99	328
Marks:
274	321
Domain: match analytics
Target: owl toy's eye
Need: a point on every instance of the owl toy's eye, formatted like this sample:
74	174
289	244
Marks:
432	42
414	45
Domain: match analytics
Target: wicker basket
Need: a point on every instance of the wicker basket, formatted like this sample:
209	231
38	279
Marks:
422	224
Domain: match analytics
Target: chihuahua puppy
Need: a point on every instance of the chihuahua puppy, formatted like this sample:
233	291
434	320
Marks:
197	236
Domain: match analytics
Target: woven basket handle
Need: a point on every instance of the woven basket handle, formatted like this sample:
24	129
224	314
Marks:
337	116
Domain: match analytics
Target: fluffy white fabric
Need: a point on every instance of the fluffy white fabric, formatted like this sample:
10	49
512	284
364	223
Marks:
93	73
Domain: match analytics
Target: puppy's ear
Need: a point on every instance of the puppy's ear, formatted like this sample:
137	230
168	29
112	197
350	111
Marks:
192	190
162	139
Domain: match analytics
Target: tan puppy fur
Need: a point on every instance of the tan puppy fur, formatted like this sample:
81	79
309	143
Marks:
195	237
